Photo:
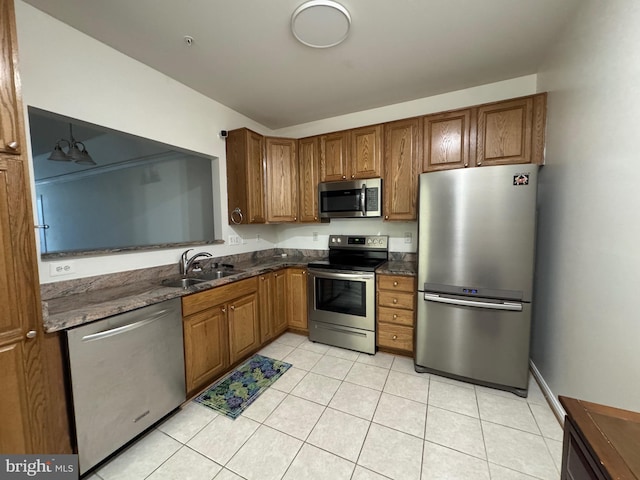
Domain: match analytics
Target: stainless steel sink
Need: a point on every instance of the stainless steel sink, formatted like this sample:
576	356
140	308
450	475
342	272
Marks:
215	274
181	282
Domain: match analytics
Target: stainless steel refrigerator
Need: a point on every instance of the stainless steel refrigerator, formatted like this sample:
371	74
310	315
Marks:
476	246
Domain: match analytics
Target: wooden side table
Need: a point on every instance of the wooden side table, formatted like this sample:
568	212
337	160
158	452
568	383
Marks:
600	442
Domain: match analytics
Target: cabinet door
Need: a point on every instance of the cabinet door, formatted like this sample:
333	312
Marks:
255	178
366	154
205	347
280	296
446	140
281	180
308	178
297	298
400	189
266	293
244	328
504	132
11	112
334	153
14	410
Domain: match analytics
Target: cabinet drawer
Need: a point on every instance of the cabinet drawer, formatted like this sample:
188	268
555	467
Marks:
210	298
395	315
396	299
396	283
395	336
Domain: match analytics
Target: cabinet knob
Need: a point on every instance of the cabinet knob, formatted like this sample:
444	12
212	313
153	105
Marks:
31	334
262	278
344	176
395	284
386	217
304	272
395	315
223	310
315	217
295	219
395	300
12	145
395	337
275	274
353	176
479	163
232	307
466	164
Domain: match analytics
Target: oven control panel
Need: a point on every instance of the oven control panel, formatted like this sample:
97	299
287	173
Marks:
360	242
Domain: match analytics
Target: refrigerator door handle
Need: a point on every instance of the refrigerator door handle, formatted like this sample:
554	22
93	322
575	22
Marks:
511	306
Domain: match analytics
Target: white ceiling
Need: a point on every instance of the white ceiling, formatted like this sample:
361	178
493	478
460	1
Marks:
245	56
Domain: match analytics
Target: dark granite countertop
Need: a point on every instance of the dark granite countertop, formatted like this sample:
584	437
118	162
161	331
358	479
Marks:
76	302
73	307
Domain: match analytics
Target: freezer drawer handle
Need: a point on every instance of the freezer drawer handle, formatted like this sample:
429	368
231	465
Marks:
511	306
124	328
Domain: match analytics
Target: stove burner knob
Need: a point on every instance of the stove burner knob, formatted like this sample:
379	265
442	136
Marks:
368	240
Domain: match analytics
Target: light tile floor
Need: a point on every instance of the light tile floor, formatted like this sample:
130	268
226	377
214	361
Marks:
337	414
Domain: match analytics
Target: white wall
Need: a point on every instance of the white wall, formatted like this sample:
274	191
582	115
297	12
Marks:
110	89
586	322
67	72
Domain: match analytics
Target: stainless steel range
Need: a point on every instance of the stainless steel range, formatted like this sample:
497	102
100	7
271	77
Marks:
342	292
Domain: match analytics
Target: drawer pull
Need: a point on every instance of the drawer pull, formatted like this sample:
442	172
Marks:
395	300
395	284
395	315
395	337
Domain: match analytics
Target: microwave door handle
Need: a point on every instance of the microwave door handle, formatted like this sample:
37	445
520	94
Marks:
362	200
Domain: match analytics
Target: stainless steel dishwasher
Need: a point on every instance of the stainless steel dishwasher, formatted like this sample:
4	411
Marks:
127	372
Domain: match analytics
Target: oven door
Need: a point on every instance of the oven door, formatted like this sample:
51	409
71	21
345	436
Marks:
343	298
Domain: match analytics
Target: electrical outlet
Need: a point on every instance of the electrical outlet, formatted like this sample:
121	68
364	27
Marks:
61	268
234	240
315	236
408	237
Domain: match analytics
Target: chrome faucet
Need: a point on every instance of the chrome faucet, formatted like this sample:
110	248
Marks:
187	264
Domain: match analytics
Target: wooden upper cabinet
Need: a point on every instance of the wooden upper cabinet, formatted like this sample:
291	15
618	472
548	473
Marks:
366	154
507	132
351	154
446	140
281	168
10	101
308	178
245	177
401	153
334	152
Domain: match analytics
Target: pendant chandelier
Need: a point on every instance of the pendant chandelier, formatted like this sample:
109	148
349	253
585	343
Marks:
76	151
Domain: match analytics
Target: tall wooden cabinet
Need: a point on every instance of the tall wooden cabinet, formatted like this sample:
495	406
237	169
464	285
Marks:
245	177
281	173
401	154
32	404
308	178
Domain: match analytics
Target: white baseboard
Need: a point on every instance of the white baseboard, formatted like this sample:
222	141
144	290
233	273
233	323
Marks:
553	401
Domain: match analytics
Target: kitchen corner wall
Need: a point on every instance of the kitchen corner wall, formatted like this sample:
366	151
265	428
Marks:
67	72
586	324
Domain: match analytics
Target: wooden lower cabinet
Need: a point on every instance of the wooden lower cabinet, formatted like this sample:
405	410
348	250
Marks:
272	289
296	298
395	312
221	326
244	329
205	346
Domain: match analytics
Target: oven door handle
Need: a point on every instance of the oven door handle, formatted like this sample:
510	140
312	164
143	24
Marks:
340	276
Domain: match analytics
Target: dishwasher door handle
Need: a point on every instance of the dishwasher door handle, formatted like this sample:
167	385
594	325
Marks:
511	306
124	328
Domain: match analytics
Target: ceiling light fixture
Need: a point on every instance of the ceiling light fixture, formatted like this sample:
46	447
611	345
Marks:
74	152
321	23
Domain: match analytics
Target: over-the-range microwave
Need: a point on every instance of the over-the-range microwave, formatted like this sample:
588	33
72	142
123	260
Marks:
350	199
